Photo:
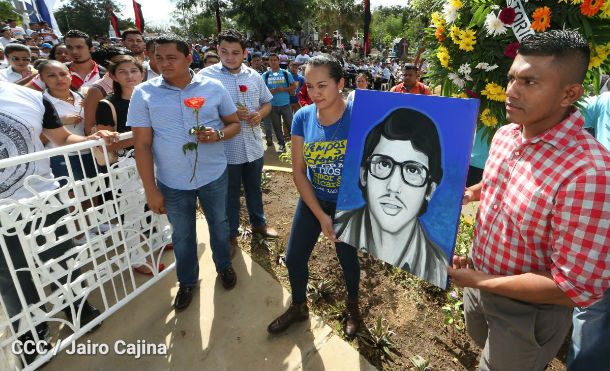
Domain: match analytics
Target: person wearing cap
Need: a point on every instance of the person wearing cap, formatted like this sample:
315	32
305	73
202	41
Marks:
7	36
45	49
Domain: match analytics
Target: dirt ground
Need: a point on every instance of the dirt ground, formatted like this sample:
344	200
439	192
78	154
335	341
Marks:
410	309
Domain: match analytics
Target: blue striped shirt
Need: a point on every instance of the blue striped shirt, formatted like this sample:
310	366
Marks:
247	146
160	106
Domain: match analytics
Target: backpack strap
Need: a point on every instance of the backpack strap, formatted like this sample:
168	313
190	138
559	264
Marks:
112	109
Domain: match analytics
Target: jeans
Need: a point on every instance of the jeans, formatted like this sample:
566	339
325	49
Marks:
248	174
181	206
60	167
277	113
590	345
7	287
303	237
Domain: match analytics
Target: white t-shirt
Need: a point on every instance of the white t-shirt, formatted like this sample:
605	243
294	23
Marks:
64	108
20	127
18	32
300	59
5	41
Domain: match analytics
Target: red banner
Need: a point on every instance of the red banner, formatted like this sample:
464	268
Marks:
115	24
367	22
137	9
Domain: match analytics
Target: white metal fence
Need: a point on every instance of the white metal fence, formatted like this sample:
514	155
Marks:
53	275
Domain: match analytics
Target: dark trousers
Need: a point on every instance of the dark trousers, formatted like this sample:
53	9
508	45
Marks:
303	237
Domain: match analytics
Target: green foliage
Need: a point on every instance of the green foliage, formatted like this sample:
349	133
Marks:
398	22
453	310
465	235
419	362
378	339
7	10
89	16
286	157
343	15
322	289
265	179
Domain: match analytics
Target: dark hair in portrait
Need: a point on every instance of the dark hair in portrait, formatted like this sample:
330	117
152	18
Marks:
412	125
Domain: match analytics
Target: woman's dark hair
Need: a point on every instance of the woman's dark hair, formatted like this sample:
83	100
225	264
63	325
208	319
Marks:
414	126
104	55
45	63
115	62
335	69
54	50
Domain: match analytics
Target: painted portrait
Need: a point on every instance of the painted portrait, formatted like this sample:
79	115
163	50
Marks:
404	175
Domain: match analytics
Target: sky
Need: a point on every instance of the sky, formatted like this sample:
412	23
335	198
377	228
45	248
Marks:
158	12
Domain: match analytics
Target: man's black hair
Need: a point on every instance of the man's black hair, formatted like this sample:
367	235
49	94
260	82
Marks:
76	34
209	55
273	55
181	45
409	67
567	48
103	55
15	47
151	43
130	31
407	124
232	36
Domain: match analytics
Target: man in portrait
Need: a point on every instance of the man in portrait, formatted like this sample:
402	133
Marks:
399	173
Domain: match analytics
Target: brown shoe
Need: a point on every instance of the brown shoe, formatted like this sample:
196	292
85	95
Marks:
233	244
295	313
353	319
266	231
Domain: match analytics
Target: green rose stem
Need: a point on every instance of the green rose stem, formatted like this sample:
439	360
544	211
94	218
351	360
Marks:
190	146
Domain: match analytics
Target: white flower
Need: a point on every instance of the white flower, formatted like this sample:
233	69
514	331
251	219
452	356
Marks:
482	66
494	25
495	7
491	68
465	69
456	80
467	77
450	13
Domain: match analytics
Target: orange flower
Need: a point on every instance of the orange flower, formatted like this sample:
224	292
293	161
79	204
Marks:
542	19
591	7
195	102
439	34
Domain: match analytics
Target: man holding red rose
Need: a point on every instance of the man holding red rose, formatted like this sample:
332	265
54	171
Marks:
244	151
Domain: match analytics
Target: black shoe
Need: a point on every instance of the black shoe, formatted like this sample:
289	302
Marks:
88	314
269	142
228	277
46	347
183	298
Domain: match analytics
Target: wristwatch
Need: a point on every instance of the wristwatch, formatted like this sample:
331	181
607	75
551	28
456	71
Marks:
221	134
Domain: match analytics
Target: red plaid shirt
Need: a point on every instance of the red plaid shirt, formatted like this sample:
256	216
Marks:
545	206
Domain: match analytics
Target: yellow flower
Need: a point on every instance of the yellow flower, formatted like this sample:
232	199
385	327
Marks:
495	92
460	95
455	33
438	20
456	3
542	19
487	119
591	7
443	56
576	2
467	40
599	55
605	10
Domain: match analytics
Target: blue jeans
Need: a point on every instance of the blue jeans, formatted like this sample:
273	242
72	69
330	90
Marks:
248	174
181	206
303	237
590	345
60	167
277	113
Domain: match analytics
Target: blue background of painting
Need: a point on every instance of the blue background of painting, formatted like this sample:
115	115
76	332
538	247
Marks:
455	119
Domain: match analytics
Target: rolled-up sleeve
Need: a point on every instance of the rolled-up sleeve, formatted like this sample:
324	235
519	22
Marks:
138	114
581	237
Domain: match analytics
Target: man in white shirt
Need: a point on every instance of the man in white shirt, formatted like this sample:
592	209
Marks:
382	76
7	36
18	32
152	70
34	27
19	63
302	58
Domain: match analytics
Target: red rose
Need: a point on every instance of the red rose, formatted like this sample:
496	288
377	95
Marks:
243	88
507	15
195	102
471	94
511	50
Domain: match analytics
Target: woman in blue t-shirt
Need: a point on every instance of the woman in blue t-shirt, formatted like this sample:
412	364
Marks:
319	136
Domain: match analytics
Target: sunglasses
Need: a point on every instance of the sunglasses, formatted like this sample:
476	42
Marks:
17	59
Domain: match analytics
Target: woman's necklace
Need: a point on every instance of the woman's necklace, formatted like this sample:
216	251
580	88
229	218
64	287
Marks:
69	99
336	129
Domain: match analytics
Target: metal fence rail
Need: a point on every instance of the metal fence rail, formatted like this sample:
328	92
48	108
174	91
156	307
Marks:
109	210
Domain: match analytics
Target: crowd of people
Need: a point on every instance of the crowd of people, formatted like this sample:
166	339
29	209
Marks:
542	239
